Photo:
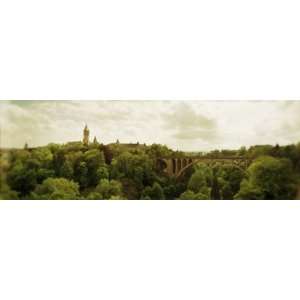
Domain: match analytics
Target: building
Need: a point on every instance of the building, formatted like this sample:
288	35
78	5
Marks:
95	140
86	142
86	136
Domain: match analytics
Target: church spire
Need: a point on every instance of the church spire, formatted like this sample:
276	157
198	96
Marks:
86	135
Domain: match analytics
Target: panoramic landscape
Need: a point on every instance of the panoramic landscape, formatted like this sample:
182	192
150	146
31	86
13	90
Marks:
150	150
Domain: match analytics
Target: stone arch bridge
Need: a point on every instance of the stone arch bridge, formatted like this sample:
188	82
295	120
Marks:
177	166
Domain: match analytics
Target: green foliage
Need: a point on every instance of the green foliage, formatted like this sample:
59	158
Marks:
132	171
19	155
94	196
261	150
172	187
42	174
269	178
81	174
22	178
190	195
102	173
130	189
43	155
108	189
249	191
242	151
227	180
138	167
108	154
201	181
56	188
67	170
158	151
117	197
5	191
94	160
155	192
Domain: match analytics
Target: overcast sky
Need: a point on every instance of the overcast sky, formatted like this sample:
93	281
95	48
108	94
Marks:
183	125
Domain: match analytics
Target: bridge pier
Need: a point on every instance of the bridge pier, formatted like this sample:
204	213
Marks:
178	165
169	168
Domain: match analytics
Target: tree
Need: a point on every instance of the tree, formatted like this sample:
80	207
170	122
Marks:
259	150
292	152
43	173
102	173
138	167
155	192
19	156
117	197
201	180
107	189
94	196
94	160
269	178
132	172
108	154
215	188
249	191
172	187
81	174
5	191
130	189
43	155
56	188
157	151
22	178
227	179
190	195
58	161
67	170
170	191
226	191
242	151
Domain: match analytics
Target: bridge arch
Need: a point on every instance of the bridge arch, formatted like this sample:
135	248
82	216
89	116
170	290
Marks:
212	163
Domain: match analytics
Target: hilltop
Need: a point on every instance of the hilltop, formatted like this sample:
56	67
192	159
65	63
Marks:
131	171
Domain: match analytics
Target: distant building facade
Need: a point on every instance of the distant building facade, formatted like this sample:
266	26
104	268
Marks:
86	141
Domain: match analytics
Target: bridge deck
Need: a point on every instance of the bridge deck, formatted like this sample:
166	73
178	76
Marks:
207	157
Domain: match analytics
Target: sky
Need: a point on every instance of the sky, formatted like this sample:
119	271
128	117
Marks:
181	125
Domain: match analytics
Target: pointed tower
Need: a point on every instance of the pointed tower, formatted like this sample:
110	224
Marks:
95	140
86	135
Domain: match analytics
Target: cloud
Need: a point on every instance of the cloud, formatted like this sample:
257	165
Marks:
205	135
289	126
184	125
41	122
187	124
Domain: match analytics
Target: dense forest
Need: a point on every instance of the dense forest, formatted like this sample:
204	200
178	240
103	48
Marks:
116	171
